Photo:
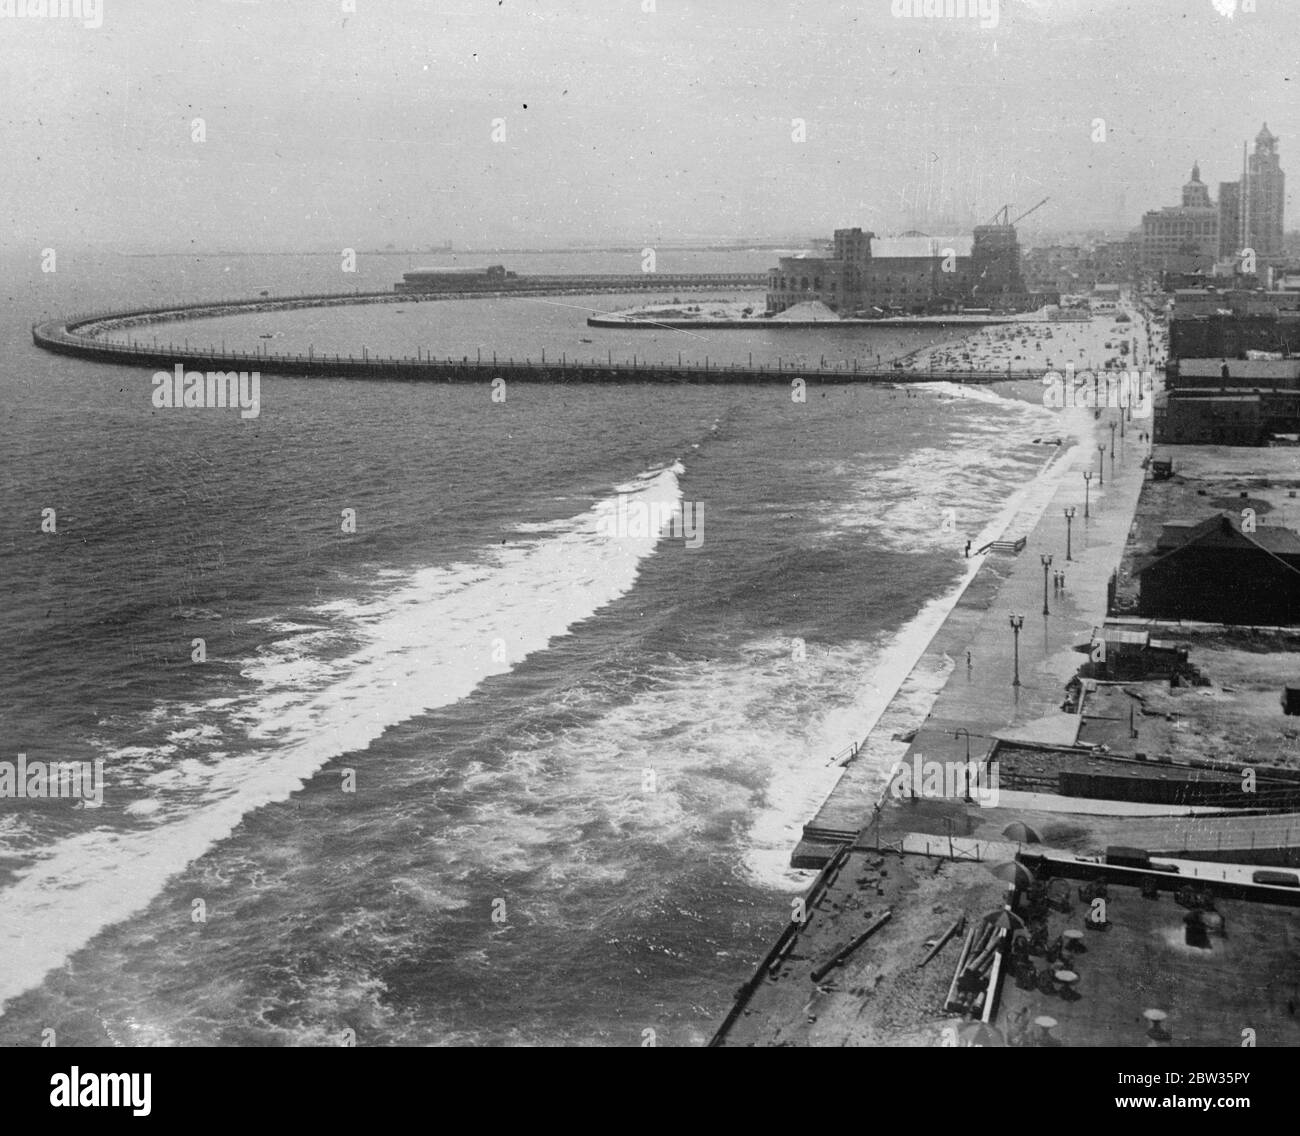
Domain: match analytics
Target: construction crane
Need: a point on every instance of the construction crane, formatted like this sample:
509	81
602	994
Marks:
1000	217
1031	210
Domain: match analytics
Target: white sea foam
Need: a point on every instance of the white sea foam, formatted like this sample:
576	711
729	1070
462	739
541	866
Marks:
894	684
427	642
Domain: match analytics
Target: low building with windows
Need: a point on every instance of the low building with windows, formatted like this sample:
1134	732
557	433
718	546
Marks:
1225	416
867	276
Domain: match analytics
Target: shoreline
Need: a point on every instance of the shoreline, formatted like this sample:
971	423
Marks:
980	586
880	853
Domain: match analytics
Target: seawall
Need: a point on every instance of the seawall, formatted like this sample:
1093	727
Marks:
78	336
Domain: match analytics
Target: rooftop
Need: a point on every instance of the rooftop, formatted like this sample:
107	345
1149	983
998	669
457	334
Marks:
1261	369
1212	977
920	246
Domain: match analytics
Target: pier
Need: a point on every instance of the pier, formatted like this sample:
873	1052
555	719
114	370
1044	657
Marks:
81	337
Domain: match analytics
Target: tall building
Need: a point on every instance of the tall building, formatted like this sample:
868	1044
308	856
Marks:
1196	194
1182	238
1251	209
1265	183
1231	238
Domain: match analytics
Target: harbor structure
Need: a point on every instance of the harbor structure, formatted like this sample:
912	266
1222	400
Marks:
451	278
914	273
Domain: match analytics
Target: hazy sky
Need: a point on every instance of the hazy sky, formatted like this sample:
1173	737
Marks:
329	129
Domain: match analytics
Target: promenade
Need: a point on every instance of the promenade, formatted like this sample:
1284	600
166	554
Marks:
917	862
980	697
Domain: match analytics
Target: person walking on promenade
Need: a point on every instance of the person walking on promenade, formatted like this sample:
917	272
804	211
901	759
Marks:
968	550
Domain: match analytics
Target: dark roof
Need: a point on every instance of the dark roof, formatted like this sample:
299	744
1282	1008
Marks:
1223	532
1240	368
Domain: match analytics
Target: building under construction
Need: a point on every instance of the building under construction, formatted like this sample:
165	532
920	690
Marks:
912	274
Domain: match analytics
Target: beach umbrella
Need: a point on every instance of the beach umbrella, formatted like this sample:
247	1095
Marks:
1021	833
1006	919
981	1034
1014	872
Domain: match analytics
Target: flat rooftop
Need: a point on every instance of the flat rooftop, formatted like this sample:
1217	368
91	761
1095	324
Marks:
1211	986
1236	719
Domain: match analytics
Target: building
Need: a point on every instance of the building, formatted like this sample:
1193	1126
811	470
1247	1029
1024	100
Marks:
1251	210
1133	655
1226	415
452	278
1255	218
1206	323
1231	237
1080	268
1182	238
868	276
1215	572
1235	374
1207	417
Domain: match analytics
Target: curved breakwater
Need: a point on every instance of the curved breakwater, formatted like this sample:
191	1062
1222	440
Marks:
80	337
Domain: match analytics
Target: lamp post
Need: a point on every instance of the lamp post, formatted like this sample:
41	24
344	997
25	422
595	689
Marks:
1101	464
1069	524
1087	484
956	734
1047	563
1017	622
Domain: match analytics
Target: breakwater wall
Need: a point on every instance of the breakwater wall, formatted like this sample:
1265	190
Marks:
624	322
597	282
82	337
52	337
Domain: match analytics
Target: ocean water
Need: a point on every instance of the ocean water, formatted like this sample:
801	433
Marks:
492	769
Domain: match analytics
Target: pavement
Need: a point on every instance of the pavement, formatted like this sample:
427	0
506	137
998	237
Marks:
980	697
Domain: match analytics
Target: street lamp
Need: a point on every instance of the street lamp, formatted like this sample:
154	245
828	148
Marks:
1047	563
1101	464
1069	524
1087	484
1017	622
956	734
